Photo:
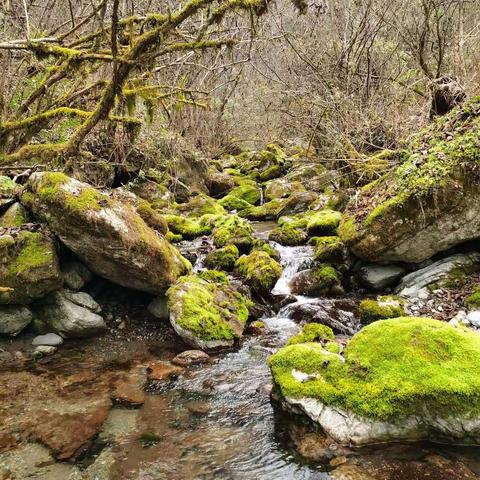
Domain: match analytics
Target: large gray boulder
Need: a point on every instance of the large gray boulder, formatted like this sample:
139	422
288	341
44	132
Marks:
426	205
28	266
69	314
13	319
105	233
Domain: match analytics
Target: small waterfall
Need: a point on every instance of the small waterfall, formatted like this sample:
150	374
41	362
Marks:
293	260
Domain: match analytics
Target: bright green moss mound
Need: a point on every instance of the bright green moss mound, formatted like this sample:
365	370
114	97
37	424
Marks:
35	253
324	222
223	258
312	332
263	246
231	202
233	230
385	307
214	276
289	235
200	205
208	309
392	369
247	190
15	216
329	250
186	227
267	211
260	271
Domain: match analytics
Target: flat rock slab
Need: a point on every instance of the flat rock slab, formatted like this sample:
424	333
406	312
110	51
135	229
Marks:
162	372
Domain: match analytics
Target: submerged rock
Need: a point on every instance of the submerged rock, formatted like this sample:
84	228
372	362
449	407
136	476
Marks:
394	383
207	314
428	204
13	319
71	315
107	234
28	267
190	357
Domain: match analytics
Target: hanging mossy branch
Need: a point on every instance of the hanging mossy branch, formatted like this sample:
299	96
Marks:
113	49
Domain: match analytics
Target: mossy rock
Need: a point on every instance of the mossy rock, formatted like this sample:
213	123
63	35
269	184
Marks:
231	202
29	267
312	332
222	258
214	276
267	211
297	202
151	217
259	270
188	228
207	314
264	246
323	222
107	234
320	281
200	205
282	188
15	216
473	300
219	183
288	235
329	250
8	187
400	379
429	203
233	230
247	190
387	306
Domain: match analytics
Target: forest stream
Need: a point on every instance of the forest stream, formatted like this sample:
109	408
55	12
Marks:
216	421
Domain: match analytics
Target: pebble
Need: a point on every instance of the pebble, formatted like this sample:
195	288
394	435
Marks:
50	340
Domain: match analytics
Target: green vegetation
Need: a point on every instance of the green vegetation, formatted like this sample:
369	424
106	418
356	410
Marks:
473	300
259	270
34	252
233	230
7	187
214	276
15	216
247	190
329	250
222	258
151	217
323	222
392	369
288	235
387	306
209	310
188	228
263	246
231	202
312	332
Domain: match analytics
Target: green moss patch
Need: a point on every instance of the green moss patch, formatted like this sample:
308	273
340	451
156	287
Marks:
188	228
259	270
329	250
233	230
392	369
312	332
209	310
323	222
222	258
387	306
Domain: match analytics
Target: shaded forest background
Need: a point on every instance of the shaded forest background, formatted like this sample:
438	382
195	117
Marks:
348	77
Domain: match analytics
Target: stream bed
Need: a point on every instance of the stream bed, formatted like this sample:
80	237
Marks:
214	422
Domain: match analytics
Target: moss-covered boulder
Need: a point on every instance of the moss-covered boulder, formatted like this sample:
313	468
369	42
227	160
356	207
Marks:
403	379
323	222
289	235
200	205
247	190
282	188
329	250
28	266
222	258
107	234
15	216
386	306
430	202
188	228
320	281
267	211
231	202
207	314
297	202
219	183
8	189
259	270
233	230
152	217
